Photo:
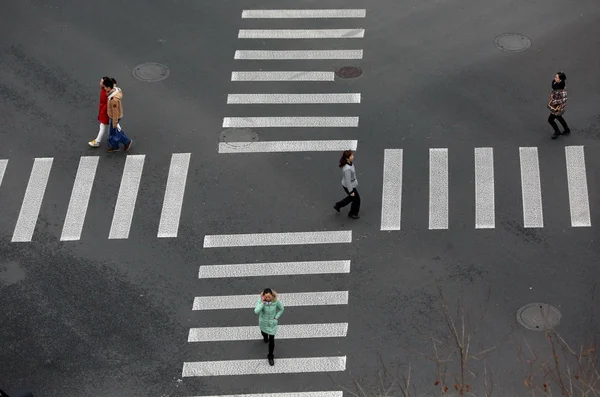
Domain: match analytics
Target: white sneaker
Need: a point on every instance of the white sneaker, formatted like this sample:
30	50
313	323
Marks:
94	143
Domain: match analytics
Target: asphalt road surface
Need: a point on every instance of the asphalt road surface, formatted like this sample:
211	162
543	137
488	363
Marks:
135	274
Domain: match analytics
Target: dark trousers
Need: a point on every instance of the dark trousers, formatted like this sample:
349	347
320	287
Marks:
355	200
562	122
271	340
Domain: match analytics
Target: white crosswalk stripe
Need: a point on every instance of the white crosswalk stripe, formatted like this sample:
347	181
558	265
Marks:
280	99
130	183
315	13
173	201
3	165
291	299
578	191
32	202
261	367
282	55
282	76
289	122
391	196
531	187
287	146
438	188
293	394
290	238
301	34
274	268
485	216
294	331
80	197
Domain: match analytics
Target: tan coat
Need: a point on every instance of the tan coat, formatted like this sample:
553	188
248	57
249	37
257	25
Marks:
115	107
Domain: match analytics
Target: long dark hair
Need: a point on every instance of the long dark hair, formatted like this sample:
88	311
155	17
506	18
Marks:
108	82
345	156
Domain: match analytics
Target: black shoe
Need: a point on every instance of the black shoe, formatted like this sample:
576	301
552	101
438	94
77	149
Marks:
353	216
555	135
566	132
271	360
335	207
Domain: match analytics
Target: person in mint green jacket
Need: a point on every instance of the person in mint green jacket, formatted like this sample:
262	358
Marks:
269	309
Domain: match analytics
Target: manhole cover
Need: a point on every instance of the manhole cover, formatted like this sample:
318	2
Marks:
348	72
151	72
538	316
513	42
238	137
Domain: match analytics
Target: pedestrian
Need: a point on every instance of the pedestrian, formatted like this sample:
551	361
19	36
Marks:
558	104
102	114
269	308
349	183
116	135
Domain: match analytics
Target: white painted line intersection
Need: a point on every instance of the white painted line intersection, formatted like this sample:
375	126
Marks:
287	146
262	367
282	76
283	55
273	269
32	201
285	331
265	239
229	302
301	34
306	13
577	184
292	98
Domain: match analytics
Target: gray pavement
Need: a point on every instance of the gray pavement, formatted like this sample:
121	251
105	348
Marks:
111	317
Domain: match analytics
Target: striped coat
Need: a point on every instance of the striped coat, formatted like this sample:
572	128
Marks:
268	315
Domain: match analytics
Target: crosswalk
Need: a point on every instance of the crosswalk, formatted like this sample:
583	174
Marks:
485	169
485	209
250	332
289	79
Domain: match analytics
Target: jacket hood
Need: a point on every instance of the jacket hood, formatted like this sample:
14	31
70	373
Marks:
117	94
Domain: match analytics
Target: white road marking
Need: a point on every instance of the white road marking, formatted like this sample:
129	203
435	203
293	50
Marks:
578	190
327	298
301	34
280	99
531	187
281	122
438	188
274	269
262	367
80	198
282	76
286	146
128	191
32	201
485	212
173	201
3	165
297	54
293	394
314	13
262	239
295	331
391	198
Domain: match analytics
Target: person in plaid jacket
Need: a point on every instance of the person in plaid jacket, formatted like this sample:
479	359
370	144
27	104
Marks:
558	104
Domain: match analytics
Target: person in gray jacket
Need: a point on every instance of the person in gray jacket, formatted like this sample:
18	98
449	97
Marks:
349	183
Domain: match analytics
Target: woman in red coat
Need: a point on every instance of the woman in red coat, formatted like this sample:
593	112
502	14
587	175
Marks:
102	113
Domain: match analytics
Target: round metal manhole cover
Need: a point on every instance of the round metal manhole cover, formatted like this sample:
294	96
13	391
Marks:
348	72
238	137
151	72
538	316
512	42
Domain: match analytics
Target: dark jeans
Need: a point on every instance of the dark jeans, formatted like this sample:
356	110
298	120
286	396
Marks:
562	122
116	137
355	200
271	339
